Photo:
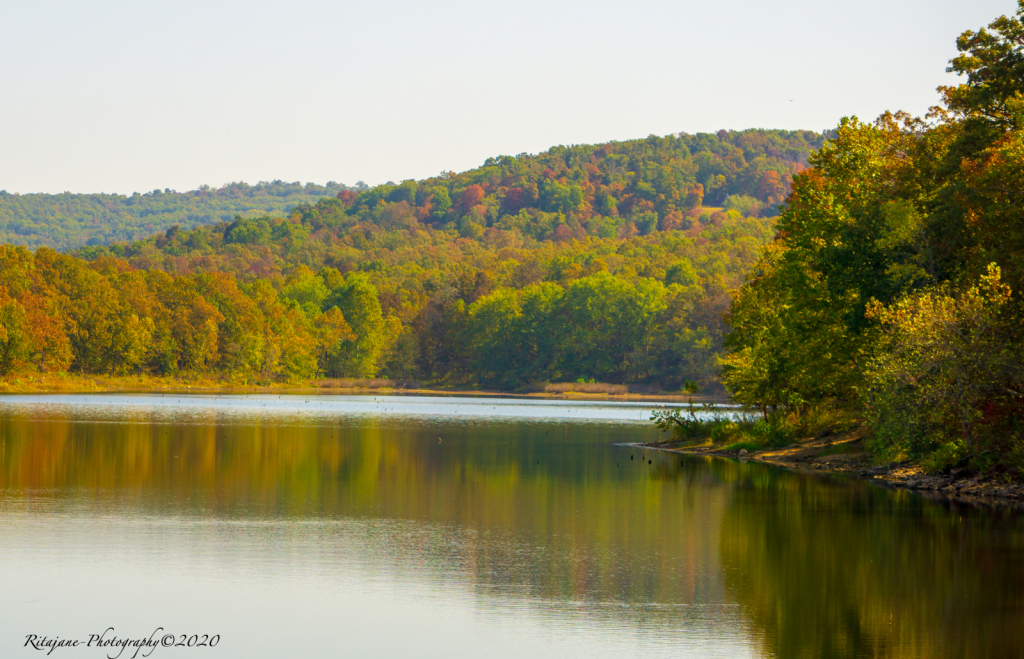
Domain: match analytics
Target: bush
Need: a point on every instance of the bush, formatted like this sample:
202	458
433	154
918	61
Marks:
777	429
685	424
942	384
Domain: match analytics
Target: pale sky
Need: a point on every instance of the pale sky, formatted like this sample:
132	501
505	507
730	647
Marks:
119	96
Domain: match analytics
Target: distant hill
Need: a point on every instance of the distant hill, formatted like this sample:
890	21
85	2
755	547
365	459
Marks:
610	190
68	221
595	189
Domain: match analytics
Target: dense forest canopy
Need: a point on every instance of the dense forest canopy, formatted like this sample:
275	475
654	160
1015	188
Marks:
893	286
68	221
594	263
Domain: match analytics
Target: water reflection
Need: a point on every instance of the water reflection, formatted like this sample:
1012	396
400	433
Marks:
528	519
834	569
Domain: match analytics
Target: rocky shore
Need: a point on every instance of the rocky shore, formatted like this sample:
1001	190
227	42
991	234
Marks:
844	454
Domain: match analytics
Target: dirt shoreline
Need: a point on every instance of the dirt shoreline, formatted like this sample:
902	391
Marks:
844	454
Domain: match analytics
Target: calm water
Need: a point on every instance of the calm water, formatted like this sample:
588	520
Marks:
443	527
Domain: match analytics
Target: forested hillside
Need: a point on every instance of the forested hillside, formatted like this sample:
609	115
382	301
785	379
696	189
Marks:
68	221
605	262
644	176
893	287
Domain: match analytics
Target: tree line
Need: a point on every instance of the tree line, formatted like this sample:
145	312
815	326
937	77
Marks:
578	311
59	313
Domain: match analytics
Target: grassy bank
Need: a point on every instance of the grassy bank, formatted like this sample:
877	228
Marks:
833	441
703	425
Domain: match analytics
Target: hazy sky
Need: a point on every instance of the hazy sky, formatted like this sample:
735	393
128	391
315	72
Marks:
118	96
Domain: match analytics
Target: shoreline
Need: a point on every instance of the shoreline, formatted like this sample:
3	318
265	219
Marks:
844	454
99	384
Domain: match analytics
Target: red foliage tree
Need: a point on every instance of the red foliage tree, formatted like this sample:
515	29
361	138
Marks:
673	220
562	233
471	196
515	199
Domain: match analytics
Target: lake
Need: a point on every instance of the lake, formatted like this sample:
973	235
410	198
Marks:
345	526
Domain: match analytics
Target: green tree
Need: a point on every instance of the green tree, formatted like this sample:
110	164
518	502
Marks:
358	301
13	334
332	331
993	61
606	322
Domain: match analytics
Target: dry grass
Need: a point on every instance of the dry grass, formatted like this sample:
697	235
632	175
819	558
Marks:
25	383
71	383
592	388
29	383
365	383
583	388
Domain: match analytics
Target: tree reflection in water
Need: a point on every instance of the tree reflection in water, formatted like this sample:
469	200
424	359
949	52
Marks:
555	513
